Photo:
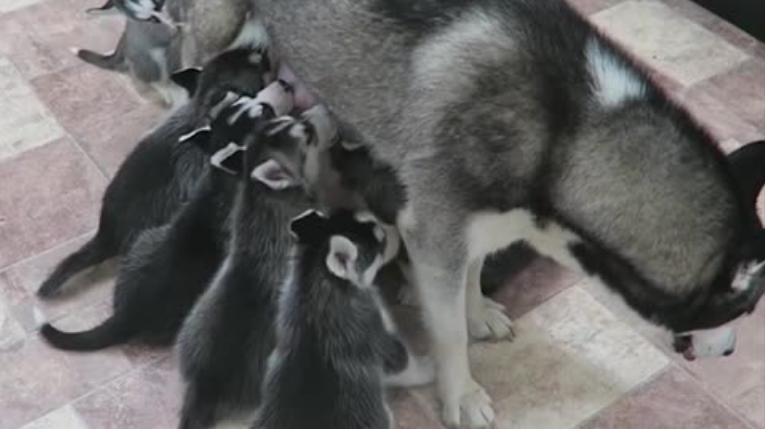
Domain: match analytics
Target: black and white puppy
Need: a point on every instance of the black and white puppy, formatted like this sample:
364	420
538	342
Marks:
161	172
335	341
170	267
227	338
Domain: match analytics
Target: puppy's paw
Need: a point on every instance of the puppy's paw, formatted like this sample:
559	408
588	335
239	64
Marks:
473	411
491	324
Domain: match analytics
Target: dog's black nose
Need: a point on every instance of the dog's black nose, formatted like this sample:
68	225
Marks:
729	352
287	87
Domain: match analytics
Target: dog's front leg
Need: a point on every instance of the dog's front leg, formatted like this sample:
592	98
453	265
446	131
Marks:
441	280
487	319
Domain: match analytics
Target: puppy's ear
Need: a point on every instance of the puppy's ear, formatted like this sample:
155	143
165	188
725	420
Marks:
273	175
229	159
308	226
187	79
107	8
199	138
342	256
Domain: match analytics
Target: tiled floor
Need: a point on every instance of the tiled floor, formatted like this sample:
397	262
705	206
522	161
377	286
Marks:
579	362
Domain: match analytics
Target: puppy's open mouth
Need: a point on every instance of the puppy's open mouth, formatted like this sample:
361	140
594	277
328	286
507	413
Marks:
684	346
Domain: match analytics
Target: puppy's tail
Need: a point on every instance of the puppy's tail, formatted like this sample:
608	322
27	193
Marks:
92	253
114	61
112	332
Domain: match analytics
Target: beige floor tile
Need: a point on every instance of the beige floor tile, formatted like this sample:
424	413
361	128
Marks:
669	42
11	5
573	358
63	418
23	119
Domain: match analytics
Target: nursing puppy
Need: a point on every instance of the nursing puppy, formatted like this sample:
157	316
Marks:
169	267
161	172
327	370
514	121
225	343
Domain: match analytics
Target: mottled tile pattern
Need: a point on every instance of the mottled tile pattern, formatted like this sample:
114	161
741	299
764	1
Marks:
24	122
669	41
673	401
50	195
580	361
572	359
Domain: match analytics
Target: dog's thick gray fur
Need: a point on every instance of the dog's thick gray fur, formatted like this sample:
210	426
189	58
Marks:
513	120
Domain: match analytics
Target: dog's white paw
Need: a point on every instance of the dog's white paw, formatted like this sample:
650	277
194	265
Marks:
491	324
473	411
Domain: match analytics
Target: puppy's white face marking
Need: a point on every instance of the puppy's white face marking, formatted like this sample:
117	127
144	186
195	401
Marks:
614	82
321	120
218	157
368	276
192	134
280	124
141	9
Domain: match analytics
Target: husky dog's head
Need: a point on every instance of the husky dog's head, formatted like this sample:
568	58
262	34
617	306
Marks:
244	72
707	328
352	244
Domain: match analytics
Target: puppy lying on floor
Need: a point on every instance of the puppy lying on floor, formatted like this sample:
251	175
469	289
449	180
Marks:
161	172
169	267
336	348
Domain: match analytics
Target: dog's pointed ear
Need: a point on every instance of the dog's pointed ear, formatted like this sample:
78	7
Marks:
341	259
229	159
273	175
199	138
748	167
307	226
187	79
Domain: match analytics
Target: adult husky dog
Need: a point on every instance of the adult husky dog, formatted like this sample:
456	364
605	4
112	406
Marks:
513	120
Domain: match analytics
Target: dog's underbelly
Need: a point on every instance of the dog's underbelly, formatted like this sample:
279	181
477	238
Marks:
304	99
489	232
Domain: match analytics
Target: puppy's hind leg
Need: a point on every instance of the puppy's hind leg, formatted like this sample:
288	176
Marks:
441	276
487	319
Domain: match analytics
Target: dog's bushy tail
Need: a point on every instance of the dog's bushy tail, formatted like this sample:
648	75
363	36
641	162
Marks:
90	254
112	332
114	61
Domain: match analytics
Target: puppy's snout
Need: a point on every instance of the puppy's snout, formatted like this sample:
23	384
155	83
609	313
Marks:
729	352
278	97
323	123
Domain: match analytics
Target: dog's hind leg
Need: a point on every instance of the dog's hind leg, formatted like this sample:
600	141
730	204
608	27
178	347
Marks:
441	276
92	253
487	319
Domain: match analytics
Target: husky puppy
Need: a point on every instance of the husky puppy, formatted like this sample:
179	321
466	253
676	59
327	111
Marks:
225	342
161	172
327	370
169	267
153	46
515	121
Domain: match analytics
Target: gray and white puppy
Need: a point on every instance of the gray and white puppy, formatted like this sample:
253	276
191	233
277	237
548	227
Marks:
161	38
225	342
334	342
516	121
168	268
161	172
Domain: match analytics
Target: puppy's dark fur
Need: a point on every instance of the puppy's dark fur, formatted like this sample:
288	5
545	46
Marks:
160	173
